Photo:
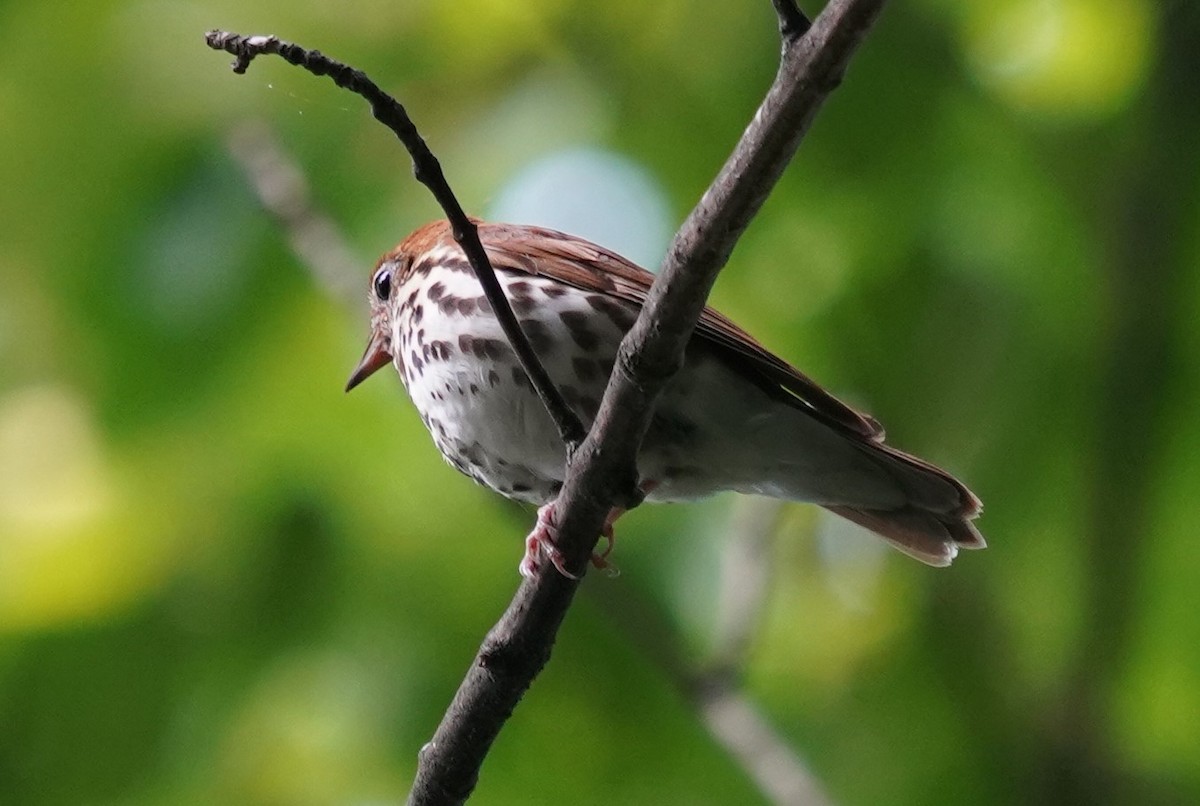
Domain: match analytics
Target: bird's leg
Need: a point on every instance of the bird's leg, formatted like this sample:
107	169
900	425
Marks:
542	541
600	559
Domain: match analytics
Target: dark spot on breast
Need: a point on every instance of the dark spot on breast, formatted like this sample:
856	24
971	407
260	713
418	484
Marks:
447	304
577	325
456	265
416	363
412	299
539	336
521	288
492	349
466	306
620	314
523	305
553	289
518	487
441	349
435	292
493	378
418	313
484	305
520	378
466	344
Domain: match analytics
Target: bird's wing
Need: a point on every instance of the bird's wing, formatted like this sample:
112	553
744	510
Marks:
589	267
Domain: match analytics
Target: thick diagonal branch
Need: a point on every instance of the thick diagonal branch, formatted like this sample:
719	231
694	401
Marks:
600	472
428	171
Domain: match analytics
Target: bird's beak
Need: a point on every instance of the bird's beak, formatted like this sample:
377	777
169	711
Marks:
376	356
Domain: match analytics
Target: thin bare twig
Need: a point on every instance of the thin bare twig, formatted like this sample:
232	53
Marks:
428	172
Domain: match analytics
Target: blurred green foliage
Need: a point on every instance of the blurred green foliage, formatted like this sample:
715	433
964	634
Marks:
222	580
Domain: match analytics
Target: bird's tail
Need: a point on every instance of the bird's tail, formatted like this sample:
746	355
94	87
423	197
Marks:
934	522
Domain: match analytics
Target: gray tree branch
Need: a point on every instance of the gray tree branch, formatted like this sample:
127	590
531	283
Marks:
603	470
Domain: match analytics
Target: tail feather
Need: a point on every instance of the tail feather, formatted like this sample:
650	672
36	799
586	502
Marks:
935	521
932	539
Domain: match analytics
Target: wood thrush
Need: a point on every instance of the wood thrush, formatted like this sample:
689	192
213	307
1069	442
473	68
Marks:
736	417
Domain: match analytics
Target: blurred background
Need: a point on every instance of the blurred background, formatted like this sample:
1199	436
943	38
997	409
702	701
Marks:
223	580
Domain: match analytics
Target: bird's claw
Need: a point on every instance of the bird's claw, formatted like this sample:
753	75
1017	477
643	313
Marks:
542	543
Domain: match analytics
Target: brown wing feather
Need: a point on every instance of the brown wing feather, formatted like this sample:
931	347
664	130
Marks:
585	265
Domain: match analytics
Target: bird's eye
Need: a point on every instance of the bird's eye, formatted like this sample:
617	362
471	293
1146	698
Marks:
383	284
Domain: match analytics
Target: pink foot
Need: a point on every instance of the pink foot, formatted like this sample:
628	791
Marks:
541	542
600	559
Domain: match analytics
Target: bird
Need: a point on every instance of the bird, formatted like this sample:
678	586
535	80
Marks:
736	417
